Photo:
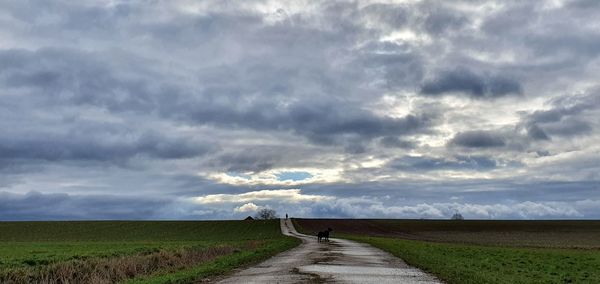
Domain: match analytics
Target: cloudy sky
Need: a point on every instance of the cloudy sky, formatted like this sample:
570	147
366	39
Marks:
214	109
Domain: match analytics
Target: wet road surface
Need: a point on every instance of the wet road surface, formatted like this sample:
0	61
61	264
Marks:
336	261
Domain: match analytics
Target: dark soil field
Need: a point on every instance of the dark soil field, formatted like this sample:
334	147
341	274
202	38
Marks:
544	234
133	251
482	251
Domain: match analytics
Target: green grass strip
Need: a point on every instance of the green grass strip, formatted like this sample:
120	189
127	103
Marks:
221	265
459	263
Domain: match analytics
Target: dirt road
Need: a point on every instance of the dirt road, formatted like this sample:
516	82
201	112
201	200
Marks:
338	261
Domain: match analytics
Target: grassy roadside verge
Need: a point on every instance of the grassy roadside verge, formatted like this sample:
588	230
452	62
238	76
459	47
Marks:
459	263
135	251
222	265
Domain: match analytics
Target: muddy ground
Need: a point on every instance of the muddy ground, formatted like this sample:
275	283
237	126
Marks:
555	234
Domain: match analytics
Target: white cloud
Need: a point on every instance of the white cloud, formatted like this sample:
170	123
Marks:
289	201
248	207
279	195
371	208
270	177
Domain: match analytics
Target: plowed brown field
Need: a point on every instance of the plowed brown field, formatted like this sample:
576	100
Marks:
554	234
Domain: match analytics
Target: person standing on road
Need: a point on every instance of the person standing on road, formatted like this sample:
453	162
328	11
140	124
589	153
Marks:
286	217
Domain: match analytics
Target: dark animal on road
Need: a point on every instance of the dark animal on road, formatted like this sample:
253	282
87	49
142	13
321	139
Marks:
324	235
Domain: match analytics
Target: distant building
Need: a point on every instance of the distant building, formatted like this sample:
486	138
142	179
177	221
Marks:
249	218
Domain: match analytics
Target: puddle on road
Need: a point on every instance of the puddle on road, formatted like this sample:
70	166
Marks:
328	257
362	270
313	277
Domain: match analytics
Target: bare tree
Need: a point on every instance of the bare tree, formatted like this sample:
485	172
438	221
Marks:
457	216
266	214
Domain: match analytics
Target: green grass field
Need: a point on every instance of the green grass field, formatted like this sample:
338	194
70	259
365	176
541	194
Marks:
459	263
138	251
482	251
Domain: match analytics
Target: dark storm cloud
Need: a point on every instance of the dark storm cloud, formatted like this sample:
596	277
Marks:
95	147
78	78
395	142
258	158
511	19
67	76
565	107
478	139
568	128
464	81
321	122
60	206
536	132
565	34
250	160
59	78
422	163
439	19
565	128
566	118
193	92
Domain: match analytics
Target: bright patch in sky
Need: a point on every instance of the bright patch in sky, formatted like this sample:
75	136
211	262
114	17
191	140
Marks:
239	175
295	176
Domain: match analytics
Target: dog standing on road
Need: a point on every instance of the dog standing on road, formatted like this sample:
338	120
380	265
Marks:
324	235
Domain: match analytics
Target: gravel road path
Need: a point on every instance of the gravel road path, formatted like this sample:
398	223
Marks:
338	261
